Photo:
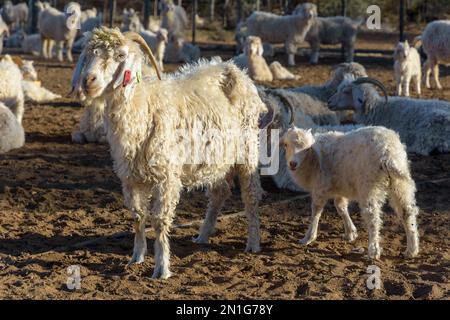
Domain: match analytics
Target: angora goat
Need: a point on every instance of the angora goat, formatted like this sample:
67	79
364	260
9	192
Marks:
153	129
11	93
329	30
310	107
364	165
290	30
435	43
406	67
12	135
423	125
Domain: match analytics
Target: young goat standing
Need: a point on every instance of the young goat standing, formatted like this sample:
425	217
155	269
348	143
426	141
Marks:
364	165
407	67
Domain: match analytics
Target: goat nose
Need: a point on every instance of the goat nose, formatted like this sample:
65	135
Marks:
90	78
292	164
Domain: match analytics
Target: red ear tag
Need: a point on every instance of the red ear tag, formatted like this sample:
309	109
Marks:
126	78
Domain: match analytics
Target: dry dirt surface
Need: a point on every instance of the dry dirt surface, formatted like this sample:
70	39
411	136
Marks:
61	205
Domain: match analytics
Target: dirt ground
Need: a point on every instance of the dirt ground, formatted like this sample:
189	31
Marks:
55	195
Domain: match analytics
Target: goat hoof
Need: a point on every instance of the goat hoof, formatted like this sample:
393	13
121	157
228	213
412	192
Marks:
159	274
306	240
252	248
200	240
351	236
136	259
374	252
410	254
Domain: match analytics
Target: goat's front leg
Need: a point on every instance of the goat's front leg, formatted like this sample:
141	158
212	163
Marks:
315	47
341	205
436	75
407	84
136	198
217	196
69	45
426	73
60	49
167	195
316	211
398	91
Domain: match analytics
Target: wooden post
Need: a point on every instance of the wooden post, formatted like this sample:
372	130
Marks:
112	12
402	20
269	5
194	24
147	13
258	5
32	18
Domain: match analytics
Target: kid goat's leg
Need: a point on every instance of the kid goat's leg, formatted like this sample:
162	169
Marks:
341	205
167	195
217	196
316	211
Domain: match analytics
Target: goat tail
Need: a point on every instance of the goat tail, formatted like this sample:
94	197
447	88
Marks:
417	42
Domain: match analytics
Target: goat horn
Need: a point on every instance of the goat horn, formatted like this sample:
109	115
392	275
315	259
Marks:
133	36
375	82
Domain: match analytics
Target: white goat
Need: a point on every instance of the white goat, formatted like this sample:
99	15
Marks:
58	26
423	125
34	92
12	135
329	30
131	21
157	42
15	15
364	165
174	18
11	93
406	67
290	30
435	39
257	65
310	110
145	120
178	50
32	44
4	31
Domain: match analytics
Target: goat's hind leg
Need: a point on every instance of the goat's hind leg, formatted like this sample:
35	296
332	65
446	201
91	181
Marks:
217	196
167	195
316	211
371	213
251	195
403	201
341	205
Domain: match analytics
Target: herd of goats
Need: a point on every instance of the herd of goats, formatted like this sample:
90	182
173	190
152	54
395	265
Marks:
148	117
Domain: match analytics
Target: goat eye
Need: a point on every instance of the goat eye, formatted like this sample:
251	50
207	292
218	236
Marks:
360	100
121	56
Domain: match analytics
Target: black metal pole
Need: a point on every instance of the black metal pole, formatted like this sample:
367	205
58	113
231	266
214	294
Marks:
147	12
402	20
194	25
33	17
344	8
112	12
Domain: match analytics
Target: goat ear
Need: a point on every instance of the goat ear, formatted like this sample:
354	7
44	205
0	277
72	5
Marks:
260	49
406	44
125	72
359	100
